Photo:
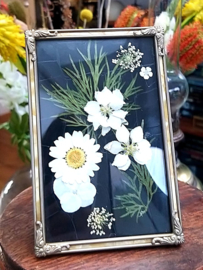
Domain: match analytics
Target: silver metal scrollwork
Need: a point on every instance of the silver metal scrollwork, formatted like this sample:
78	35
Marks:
31	35
176	239
42	249
159	34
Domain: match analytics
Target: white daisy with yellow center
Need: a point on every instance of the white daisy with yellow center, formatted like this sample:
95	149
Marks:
76	158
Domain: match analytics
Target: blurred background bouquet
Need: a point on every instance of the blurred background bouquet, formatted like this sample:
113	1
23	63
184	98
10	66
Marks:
13	82
182	21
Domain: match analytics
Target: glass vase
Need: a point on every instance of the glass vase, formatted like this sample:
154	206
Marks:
168	14
18	182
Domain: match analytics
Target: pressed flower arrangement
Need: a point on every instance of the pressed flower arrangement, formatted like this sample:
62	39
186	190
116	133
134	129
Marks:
97	105
97	113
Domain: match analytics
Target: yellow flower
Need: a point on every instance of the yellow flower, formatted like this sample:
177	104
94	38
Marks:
86	14
199	17
192	7
12	39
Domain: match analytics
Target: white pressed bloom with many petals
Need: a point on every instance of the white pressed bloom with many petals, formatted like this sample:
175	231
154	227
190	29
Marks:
74	196
76	157
129	144
106	110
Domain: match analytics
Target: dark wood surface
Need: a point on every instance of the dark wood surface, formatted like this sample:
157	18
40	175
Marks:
187	126
17	235
9	159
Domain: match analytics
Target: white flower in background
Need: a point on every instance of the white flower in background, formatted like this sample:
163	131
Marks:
76	158
98	220
13	88
163	20
146	72
128	59
74	196
167	24
106	110
129	144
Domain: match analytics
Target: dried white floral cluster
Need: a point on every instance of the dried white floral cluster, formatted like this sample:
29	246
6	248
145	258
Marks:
128	59
99	219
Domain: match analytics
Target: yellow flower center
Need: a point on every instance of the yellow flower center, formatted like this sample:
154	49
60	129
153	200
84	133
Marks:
75	158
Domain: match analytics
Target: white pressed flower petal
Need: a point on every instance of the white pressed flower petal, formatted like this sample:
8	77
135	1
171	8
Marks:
68	136
143	144
60	187
118	94
122	134
95	147
103	120
122	162
92	107
85	178
136	134
94	167
70	202
158	173
114	147
143	70
59	162
86	191
142	156
58	174
77	139
97	157
94	120
146	77
114	122
104	97
148	69
120	114
117	101
105	130
150	74
56	152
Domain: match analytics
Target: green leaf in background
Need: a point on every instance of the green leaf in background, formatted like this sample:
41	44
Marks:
21	65
18	126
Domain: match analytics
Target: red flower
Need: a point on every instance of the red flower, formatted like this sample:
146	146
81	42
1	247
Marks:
191	47
129	17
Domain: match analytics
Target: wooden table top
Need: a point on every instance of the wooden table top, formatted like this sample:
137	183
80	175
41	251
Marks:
17	240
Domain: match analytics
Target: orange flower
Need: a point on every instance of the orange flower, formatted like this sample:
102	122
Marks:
129	17
191	47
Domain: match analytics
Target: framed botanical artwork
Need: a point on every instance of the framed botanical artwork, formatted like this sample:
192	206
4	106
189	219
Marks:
102	148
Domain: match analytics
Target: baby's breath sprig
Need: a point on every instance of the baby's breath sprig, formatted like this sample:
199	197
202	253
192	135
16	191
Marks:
98	220
129	58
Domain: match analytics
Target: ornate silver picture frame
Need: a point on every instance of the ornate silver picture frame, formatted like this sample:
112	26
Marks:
102	148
